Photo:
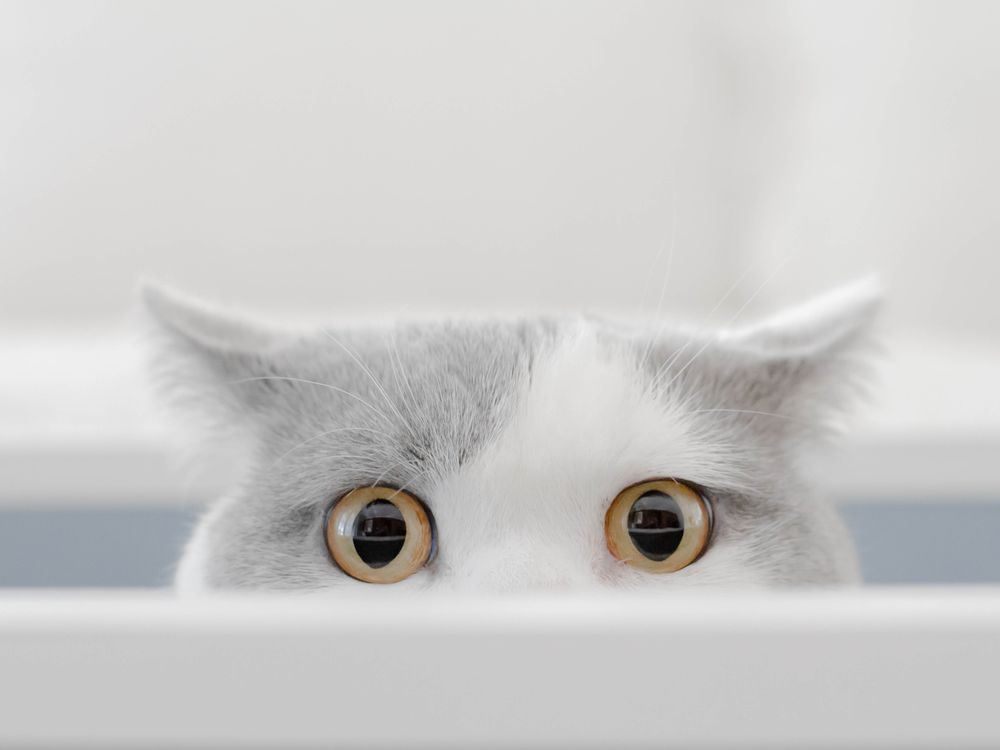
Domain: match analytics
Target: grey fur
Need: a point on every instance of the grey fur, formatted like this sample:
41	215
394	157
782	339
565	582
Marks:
408	406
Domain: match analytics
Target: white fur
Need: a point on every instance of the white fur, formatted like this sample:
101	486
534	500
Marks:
584	430
523	508
190	575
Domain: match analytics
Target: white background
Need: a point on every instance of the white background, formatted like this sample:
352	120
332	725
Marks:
319	157
326	159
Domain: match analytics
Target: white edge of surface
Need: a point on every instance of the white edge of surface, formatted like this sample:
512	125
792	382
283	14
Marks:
868	668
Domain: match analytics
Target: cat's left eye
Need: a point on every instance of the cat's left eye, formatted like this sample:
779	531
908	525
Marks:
379	534
659	526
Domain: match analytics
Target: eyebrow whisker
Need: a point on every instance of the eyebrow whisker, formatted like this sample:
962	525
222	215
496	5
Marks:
375	381
295	447
305	381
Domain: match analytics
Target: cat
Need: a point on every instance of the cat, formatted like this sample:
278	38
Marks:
501	451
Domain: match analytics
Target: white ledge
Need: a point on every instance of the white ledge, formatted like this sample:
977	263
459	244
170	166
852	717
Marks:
912	668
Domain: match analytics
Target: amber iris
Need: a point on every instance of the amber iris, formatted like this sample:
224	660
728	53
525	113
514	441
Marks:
659	526
379	534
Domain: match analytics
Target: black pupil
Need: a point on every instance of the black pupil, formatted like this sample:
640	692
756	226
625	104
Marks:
379	533
656	525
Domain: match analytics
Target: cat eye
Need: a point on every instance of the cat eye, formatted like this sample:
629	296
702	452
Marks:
659	526
379	534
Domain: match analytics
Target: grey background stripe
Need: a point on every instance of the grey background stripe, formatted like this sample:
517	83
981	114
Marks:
900	543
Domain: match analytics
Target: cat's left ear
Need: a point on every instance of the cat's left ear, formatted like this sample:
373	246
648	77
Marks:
224	363
806	363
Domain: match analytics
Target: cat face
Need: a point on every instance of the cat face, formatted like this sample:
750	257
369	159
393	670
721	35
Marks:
515	438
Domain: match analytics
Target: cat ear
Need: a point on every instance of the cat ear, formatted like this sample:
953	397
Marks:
213	358
828	322
806	363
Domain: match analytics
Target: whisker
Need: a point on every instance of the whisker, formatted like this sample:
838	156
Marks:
394	359
732	320
753	412
344	456
385	473
409	482
691	337
295	447
365	369
667	274
305	381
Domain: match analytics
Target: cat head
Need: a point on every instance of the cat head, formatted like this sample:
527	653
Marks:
513	439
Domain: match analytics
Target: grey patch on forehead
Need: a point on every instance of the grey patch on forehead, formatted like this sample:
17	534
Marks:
409	404
454	385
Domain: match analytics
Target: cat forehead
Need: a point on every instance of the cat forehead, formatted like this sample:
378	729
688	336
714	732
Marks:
508	412
401	406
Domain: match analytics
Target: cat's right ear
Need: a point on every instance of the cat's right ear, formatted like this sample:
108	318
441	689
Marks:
218	362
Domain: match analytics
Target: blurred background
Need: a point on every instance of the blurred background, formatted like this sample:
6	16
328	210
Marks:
325	160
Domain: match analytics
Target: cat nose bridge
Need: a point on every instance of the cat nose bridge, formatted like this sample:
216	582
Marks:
517	563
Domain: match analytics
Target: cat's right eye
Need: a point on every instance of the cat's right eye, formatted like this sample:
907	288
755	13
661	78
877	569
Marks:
379	534
659	526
